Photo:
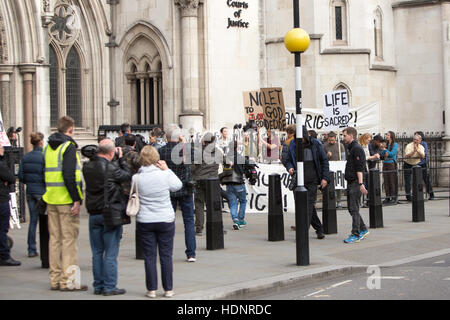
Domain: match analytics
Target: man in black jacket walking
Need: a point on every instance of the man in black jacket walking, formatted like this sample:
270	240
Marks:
7	181
354	173
103	190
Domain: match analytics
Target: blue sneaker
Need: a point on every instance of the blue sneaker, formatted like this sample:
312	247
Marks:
236	225
242	223
363	234
352	239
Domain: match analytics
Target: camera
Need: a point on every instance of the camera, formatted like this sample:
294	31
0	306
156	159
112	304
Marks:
89	151
293	182
191	187
251	174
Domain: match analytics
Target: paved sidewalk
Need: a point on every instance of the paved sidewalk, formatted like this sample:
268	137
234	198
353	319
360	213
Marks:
249	262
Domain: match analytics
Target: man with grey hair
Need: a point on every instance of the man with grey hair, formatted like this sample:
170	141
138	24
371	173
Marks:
106	205
178	158
414	153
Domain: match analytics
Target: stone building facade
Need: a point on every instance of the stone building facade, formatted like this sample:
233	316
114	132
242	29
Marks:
188	61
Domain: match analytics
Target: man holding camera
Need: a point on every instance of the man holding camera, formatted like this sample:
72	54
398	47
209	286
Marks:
316	172
103	190
178	160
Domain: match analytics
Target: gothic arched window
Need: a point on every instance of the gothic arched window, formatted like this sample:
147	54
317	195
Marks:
54	84
73	86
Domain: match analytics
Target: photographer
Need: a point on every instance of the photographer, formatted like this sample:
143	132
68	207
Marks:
233	177
173	154
316	172
208	168
106	204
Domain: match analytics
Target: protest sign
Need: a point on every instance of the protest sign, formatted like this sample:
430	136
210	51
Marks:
253	108
335	108
274	113
4	141
266	108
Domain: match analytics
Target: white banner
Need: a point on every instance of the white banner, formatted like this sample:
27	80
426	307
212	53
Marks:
257	200
364	118
4	141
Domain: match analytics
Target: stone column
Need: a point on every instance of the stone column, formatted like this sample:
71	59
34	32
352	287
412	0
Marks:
5	82
445	10
155	99
191	116
115	118
142	76
27	72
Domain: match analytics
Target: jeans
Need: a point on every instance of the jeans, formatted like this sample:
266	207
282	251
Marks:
105	249
407	174
4	228
32	199
353	197
187	210
157	237
235	193
200	201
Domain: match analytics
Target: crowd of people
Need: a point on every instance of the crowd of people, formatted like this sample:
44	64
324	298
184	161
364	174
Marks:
164	174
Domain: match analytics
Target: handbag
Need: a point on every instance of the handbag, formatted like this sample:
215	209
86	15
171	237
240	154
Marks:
114	214
133	201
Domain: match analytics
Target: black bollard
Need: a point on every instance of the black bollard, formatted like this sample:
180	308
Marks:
301	226
375	204
139	253
44	240
418	207
275	215
329	219
214	223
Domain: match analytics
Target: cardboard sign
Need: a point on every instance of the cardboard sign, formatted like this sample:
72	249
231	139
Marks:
274	112
253	108
4	141
335	108
266	108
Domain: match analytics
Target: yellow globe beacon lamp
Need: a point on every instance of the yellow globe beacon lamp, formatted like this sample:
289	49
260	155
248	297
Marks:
297	41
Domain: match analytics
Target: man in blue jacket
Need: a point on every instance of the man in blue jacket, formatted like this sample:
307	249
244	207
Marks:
31	172
316	172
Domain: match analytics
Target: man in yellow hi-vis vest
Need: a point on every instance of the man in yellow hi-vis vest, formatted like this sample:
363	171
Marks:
63	197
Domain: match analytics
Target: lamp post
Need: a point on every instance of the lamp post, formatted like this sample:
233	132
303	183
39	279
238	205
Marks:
297	41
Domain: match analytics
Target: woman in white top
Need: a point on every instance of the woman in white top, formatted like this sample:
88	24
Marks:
156	218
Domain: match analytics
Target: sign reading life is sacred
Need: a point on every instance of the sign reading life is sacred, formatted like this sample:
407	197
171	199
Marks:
335	107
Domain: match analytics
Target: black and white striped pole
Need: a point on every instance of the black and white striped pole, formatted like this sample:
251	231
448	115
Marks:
297	41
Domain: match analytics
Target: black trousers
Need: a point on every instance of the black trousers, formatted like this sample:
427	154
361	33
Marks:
314	220
4	228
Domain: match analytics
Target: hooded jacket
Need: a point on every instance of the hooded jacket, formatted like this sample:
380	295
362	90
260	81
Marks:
320	158
69	162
